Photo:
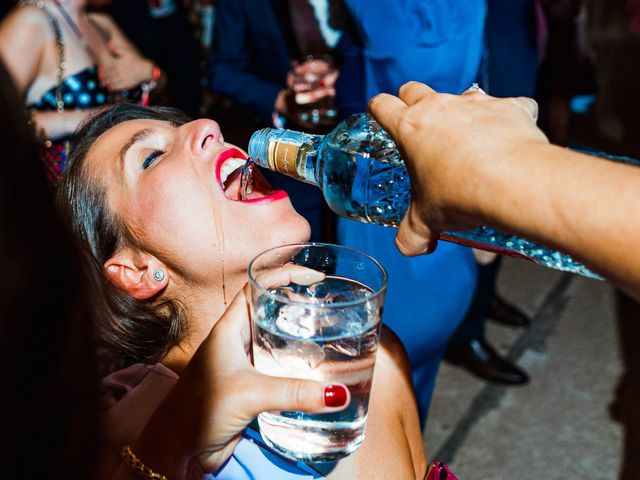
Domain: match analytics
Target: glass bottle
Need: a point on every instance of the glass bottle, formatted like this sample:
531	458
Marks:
362	176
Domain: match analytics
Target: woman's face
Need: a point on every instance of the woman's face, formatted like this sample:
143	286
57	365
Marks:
178	191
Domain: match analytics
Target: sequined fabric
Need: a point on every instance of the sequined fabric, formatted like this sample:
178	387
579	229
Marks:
54	159
80	91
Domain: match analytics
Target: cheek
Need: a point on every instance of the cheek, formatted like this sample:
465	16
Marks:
177	220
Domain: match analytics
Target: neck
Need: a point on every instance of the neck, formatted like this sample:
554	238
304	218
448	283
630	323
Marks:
203	311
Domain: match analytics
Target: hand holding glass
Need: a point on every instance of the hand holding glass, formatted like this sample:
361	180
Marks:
325	327
313	84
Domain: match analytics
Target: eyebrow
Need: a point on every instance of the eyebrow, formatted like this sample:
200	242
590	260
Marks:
137	137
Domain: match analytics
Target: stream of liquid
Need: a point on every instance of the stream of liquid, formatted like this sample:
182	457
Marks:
246	180
246	185
217	220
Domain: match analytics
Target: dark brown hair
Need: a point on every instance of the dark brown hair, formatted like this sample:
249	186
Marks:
131	330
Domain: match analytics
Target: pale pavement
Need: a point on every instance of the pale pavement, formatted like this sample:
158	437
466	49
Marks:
559	425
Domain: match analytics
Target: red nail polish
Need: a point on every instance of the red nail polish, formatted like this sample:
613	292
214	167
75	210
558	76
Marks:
335	396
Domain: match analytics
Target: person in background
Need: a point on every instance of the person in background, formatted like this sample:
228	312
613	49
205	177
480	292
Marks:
161	30
563	73
47	347
510	70
255	44
614	37
67	63
440	42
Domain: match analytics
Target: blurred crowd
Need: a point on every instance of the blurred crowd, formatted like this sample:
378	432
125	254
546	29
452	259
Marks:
307	65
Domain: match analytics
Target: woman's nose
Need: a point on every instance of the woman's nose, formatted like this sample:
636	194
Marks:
204	135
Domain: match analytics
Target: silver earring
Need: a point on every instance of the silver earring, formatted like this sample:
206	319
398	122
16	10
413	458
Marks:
158	275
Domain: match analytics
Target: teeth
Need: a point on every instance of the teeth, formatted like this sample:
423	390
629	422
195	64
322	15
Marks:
230	166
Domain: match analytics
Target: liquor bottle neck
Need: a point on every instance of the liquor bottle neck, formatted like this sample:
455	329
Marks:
286	151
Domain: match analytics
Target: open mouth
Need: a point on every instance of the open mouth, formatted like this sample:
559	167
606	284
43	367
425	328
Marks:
230	167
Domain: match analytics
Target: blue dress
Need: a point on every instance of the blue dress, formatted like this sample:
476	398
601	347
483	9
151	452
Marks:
438	42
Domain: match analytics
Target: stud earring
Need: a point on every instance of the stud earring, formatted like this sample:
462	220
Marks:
158	275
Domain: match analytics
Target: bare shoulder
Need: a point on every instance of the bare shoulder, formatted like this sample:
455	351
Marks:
26	29
26	18
392	353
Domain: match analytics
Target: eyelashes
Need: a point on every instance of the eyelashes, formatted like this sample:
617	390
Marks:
151	158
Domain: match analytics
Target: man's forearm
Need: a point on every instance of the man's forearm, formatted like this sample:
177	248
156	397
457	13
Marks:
582	205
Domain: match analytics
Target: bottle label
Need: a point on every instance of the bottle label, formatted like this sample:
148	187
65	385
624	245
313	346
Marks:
282	157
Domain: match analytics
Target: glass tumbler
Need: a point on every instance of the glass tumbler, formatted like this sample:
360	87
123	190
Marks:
313	77
315	314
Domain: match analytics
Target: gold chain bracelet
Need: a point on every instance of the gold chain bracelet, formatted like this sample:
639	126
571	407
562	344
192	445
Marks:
135	464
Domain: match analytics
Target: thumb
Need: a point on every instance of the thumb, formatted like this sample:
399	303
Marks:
296	394
414	236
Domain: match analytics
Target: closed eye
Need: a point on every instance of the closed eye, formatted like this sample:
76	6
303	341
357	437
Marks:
151	158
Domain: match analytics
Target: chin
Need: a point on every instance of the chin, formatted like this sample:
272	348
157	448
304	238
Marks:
296	230
304	231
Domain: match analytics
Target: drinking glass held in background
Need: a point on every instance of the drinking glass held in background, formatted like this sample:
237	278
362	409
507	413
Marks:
327	331
314	79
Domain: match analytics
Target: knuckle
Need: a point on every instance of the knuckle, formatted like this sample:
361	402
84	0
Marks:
400	248
520	103
377	103
443	102
295	392
409	123
513	101
399	241
404	88
407	87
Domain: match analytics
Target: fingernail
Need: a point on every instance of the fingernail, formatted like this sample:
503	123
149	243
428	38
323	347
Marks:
335	396
307	277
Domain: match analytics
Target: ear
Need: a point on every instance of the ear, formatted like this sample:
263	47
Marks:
135	274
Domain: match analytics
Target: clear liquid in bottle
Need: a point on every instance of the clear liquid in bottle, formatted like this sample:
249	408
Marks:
362	176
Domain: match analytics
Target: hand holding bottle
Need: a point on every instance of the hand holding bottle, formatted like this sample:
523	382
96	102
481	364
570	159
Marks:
455	147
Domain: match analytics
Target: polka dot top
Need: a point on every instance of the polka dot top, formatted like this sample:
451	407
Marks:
79	91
